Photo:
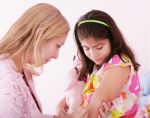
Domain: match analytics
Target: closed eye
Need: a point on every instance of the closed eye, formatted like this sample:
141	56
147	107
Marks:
85	48
99	48
58	46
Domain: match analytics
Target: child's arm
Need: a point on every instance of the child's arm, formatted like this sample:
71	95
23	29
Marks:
112	81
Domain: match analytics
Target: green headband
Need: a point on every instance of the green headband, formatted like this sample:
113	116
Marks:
93	21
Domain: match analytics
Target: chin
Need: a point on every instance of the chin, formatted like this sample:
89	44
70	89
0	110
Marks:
98	63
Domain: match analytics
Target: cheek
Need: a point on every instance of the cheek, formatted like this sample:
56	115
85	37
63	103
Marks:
51	52
107	51
46	52
87	53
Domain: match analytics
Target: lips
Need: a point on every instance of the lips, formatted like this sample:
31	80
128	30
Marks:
97	61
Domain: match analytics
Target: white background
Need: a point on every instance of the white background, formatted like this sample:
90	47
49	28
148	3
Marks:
132	17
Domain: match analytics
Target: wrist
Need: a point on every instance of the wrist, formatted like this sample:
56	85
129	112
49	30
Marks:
68	116
55	116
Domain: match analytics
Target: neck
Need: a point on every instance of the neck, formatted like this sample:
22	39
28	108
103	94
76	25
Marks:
18	64
21	68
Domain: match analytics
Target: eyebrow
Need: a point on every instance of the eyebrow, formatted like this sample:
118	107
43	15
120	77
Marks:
93	46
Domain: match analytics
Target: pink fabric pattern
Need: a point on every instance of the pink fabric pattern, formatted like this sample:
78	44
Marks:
125	105
15	97
134	86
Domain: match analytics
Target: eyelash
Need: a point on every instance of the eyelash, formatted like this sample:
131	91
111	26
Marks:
58	46
86	49
99	48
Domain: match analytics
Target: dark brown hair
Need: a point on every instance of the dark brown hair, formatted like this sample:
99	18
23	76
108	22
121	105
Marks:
99	31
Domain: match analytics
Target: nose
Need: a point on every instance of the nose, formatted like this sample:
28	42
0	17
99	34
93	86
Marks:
55	56
93	54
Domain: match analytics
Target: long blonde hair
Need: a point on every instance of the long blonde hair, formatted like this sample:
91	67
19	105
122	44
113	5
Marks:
38	24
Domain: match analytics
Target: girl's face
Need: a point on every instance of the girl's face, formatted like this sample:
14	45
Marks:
50	49
96	50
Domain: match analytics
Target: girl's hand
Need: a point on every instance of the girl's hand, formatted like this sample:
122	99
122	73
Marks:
144	112
62	108
79	113
102	113
61	111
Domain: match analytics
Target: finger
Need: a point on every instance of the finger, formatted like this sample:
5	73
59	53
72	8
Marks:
105	107
109	104
102	114
99	116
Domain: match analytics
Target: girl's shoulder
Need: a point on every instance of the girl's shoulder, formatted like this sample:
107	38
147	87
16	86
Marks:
117	60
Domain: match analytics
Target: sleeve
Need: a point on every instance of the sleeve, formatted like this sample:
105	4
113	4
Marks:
71	78
12	101
116	60
48	116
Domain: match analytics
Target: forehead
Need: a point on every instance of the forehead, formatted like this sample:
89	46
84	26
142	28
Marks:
92	41
60	39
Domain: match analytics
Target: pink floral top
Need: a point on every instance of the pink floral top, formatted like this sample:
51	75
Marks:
16	100
125	105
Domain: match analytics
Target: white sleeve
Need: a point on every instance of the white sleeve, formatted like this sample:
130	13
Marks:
71	79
